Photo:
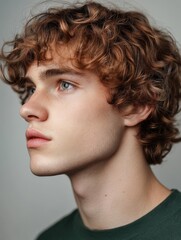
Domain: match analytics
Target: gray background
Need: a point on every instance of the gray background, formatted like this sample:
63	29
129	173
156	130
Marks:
28	203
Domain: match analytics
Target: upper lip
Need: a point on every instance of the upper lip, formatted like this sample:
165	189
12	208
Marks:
32	133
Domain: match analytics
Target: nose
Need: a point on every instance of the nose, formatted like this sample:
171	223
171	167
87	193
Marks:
35	109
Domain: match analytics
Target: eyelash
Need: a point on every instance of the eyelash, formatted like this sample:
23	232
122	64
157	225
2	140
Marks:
31	89
65	82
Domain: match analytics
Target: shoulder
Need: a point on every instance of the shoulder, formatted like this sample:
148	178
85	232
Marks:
171	209
59	230
168	224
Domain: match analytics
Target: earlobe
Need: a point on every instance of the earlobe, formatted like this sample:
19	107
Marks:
135	115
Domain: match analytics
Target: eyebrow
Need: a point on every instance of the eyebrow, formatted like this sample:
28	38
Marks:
52	72
58	71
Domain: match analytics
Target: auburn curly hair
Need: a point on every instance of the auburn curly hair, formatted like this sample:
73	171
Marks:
138	63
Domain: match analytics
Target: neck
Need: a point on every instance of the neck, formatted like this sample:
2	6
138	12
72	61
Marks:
119	190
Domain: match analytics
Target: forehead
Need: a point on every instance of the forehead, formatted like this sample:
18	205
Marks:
60	58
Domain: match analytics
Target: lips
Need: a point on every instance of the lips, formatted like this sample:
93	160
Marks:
35	139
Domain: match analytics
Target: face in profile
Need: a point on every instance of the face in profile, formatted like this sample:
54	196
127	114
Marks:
70	123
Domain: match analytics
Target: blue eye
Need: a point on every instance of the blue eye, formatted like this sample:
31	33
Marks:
65	85
31	90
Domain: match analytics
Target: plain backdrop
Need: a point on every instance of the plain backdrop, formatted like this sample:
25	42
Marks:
28	203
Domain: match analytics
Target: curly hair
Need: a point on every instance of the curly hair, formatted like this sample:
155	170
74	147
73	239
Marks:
139	64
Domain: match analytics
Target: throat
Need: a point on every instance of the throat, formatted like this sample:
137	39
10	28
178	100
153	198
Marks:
118	191
106	200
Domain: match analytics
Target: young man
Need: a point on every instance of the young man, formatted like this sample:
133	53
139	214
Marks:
100	90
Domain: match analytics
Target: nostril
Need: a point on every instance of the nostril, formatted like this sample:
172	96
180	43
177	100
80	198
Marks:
32	117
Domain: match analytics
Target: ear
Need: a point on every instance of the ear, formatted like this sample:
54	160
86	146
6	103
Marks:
136	114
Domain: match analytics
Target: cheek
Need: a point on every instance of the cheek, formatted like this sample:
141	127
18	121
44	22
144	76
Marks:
91	131
81	135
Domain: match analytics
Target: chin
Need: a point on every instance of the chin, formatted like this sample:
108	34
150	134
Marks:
40	172
41	168
44	172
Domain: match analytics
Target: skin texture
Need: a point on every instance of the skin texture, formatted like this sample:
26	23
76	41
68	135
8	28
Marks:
82	126
91	142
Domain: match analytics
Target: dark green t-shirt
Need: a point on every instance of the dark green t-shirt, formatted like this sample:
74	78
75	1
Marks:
162	223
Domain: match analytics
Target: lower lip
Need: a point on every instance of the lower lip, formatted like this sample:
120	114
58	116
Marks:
36	142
